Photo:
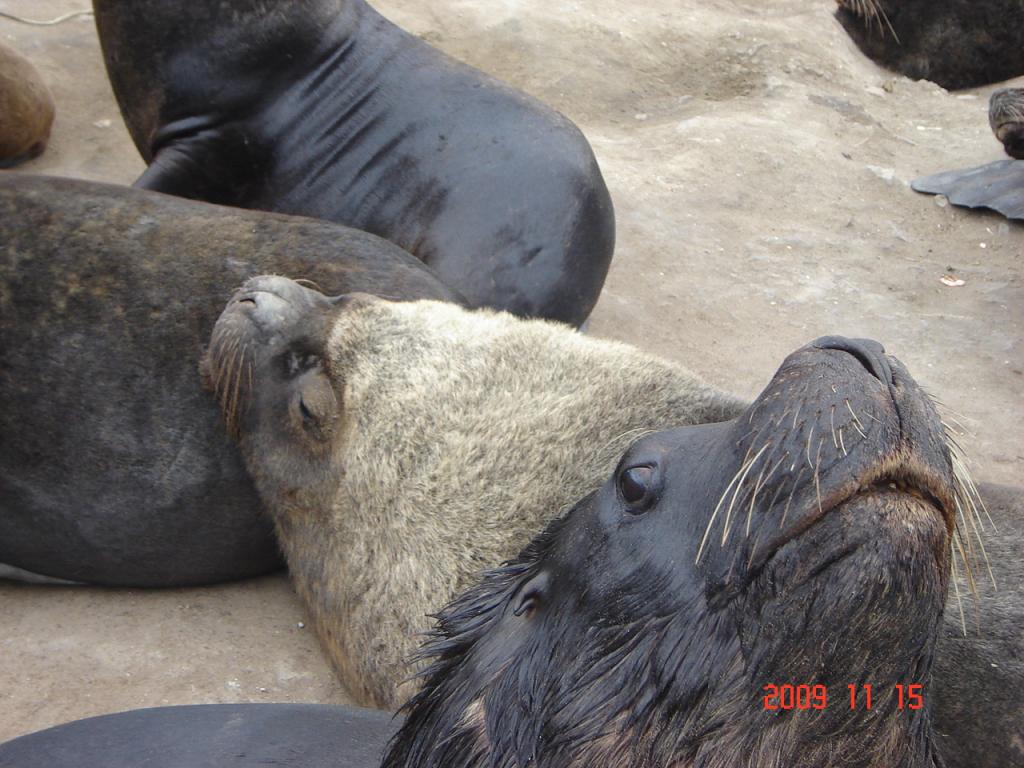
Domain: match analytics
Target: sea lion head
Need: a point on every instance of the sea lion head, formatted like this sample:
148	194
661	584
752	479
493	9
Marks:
805	543
267	364
1006	116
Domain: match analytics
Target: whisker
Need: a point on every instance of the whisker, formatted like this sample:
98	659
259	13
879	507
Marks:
856	421
728	512
956	590
757	489
718	506
789	501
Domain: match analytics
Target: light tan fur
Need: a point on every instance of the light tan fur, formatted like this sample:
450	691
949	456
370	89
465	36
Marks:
26	108
462	434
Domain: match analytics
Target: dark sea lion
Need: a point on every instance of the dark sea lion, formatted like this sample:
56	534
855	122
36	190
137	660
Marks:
979	667
1006	117
955	43
804	543
26	109
114	468
324	108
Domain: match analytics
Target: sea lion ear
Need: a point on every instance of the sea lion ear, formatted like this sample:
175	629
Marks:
532	595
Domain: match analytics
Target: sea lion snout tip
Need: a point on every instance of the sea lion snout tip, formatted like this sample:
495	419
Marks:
869	352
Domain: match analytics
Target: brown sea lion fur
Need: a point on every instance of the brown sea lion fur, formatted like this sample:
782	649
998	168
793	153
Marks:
26	109
459	435
1006	118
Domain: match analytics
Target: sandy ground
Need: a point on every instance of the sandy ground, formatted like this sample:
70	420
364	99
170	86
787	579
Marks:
759	167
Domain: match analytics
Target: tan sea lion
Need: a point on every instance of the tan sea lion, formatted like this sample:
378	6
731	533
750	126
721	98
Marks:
401	449
26	109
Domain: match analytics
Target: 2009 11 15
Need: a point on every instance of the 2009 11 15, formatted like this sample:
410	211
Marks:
785	697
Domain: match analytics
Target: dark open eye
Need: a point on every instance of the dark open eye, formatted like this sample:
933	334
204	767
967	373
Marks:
636	485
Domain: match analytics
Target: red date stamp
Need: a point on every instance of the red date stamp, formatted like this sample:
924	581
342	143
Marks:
784	697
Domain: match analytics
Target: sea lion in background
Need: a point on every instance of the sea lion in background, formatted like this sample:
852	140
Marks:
324	108
26	109
114	468
401	449
1006	117
955	43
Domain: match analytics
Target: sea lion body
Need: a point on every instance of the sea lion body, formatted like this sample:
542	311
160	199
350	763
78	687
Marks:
955	43
401	447
324	108
26	109
114	468
449	439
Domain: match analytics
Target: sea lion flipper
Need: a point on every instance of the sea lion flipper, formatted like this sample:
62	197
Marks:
211	164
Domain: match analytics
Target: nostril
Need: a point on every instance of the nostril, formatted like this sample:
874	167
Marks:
247	300
870	353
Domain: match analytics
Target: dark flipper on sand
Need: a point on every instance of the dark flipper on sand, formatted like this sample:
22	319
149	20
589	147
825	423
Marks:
211	736
999	186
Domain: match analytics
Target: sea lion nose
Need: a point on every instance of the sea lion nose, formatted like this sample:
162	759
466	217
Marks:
870	353
274	284
272	301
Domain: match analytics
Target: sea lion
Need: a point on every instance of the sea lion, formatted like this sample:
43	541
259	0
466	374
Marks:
402	448
955	43
803	545
324	108
1006	117
114	468
26	109
805	541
